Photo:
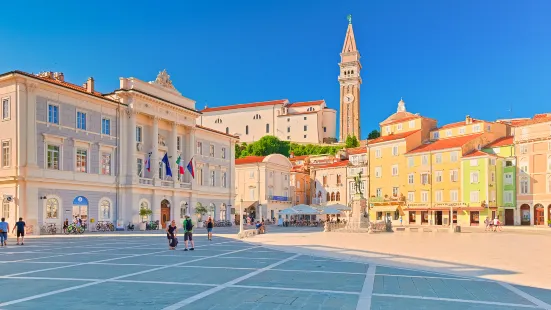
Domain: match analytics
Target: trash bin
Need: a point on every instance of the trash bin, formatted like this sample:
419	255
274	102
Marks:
457	229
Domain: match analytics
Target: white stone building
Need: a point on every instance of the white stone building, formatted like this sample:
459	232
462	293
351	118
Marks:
301	122
76	152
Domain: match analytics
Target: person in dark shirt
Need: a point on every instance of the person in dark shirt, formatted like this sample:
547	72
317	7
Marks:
20	231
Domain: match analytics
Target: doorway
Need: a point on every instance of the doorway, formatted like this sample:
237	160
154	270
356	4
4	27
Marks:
525	214
539	218
438	217
165	212
509	217
80	210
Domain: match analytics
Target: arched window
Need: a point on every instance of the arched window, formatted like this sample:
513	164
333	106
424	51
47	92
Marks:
257	116
332	196
319	194
223	212
218	121
105	210
310	109
212	211
183	209
227	130
328	197
52	208
338	197
247	129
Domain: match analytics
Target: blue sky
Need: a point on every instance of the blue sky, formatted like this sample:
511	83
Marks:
445	58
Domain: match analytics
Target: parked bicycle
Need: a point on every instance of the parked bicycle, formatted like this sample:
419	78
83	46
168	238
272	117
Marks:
130	226
152	225
105	226
222	224
29	230
74	229
48	229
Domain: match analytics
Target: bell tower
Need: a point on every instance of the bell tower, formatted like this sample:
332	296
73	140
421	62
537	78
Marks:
350	81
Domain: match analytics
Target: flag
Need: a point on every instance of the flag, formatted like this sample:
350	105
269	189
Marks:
148	162
167	164
190	168
180	165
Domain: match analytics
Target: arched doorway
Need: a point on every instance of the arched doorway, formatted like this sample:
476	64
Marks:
549	214
165	212
525	214
212	211
539	215
251	212
80	209
184	209
223	212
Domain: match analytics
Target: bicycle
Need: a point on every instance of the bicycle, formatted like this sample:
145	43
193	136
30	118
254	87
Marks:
74	229
48	229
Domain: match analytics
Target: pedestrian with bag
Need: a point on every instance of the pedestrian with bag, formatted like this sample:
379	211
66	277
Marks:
188	233
171	231
4	228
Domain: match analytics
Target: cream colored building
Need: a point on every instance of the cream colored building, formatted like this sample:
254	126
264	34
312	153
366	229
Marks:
330	182
263	185
301	122
72	151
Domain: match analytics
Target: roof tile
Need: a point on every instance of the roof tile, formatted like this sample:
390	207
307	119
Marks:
306	103
443	144
245	105
249	160
501	142
392	137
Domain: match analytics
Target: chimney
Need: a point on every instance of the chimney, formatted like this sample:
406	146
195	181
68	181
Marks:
46	74
468	120
90	85
59	76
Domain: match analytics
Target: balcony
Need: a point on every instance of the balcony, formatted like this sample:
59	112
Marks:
163	183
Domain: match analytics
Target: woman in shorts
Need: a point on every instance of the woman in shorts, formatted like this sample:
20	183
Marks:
171	231
210	225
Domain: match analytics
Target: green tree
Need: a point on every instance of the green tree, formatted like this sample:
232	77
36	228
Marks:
374	134
352	141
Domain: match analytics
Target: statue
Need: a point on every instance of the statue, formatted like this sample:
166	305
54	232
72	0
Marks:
163	79
357	182
349	17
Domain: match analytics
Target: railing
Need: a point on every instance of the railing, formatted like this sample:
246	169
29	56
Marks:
185	185
145	181
167	184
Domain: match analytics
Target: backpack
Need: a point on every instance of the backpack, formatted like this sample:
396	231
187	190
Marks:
188	225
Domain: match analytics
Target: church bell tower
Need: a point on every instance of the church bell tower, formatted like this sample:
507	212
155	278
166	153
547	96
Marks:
350	81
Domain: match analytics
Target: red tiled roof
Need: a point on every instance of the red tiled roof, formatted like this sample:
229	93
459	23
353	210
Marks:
357	150
301	157
405	119
246	105
443	144
392	137
538	118
342	163
501	142
249	160
305	103
216	131
476	153
458	124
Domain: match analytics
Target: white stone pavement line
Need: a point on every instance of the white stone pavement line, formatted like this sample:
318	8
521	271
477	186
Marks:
364	302
213	290
494	303
429	277
87	263
110	279
526	296
296	289
320	271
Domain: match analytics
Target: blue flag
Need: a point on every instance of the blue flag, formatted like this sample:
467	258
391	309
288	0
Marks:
167	164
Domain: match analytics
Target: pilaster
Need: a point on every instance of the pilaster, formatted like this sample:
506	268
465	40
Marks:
155	150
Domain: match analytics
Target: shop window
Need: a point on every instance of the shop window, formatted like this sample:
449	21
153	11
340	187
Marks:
412	217
424	217
379	216
475	218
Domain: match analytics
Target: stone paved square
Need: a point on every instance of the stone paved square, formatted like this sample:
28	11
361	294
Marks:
140	272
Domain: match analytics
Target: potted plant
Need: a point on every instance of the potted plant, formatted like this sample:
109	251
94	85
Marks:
200	211
549	222
144	213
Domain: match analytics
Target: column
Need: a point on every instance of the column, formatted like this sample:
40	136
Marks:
532	215
173	152
155	150
31	126
191	152
132	169
156	208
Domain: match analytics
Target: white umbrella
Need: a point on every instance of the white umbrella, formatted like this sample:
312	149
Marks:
288	211
305	210
340	207
330	210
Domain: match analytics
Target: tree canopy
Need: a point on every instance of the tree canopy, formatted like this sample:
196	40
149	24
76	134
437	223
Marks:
374	134
352	141
272	145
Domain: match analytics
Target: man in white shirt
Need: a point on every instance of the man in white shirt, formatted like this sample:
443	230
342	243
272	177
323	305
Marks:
496	222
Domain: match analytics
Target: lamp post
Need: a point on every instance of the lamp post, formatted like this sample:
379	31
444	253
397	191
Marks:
241	217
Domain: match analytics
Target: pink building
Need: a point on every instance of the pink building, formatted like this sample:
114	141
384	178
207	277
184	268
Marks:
533	148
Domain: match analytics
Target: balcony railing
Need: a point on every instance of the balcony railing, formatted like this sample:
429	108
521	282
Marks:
145	181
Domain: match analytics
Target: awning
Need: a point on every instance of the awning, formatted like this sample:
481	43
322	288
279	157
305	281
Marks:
388	209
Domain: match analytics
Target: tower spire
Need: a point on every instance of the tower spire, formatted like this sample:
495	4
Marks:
349	40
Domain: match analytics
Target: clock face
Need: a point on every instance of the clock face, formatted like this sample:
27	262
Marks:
348	98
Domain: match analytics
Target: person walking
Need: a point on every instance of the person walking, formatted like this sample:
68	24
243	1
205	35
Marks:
188	233
171	231
4	228
20	231
210	226
496	223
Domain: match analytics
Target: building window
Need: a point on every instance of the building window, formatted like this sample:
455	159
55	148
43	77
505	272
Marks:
411	162
438	158
251	193
339	179
305	118
425	178
52	157
257	116
81	120
6	113
178	143
476	128
289	129
424	196
106	126
411	124
524	149
227	130
453	156
454	175
6	153
492	177
52	209
324	129
199	148
524	186
223	153
395	191
378	172
211	150
53	114
508	196
410	178
338	196
475	196
251	174
305	127
379	192
438	196
224	184
378	153
424	160
474	162
106	163
474	177
82	160
139	164
395	170
399	127
448	133
212	177
247	129
438	176
139	136
305	136
411	197
395	150
105	210
462	130
454	195
200	176
436	135
524	167
267	128
508	178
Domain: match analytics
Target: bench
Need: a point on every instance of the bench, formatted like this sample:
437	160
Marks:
427	230
248	233
400	229
414	229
